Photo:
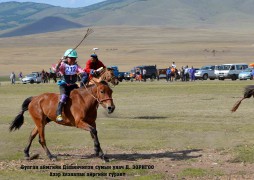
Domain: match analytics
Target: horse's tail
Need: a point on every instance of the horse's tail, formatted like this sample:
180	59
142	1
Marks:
248	92
19	119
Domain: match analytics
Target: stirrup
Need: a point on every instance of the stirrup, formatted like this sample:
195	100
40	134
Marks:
59	118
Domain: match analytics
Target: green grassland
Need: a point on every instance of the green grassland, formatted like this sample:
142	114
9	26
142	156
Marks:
151	116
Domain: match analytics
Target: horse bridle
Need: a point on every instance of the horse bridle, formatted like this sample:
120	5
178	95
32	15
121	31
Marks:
96	98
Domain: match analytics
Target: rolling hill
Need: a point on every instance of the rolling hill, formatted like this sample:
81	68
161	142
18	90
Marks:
47	24
172	13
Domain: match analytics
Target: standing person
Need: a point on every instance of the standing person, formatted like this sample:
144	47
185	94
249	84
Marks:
173	65
69	70
186	73
91	66
168	74
12	78
144	74
192	73
20	76
182	73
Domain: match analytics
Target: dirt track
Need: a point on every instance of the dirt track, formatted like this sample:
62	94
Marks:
168	164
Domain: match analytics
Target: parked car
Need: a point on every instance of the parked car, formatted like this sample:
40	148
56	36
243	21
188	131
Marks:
246	74
32	78
231	71
129	75
151	71
206	72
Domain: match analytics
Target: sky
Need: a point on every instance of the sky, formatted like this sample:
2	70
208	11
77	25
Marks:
63	3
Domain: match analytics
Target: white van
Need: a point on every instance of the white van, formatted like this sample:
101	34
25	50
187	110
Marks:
231	71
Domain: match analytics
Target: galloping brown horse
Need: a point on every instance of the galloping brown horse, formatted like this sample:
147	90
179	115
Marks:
248	92
80	111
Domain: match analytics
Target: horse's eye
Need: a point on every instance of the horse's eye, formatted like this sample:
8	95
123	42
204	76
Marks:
102	92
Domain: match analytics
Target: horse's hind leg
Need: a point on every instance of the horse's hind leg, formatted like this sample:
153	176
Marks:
40	120
42	141
31	138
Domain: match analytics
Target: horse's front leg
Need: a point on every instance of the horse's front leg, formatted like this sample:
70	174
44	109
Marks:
94	134
97	147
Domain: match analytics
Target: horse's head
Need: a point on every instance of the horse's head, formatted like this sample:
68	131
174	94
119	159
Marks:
108	76
104	96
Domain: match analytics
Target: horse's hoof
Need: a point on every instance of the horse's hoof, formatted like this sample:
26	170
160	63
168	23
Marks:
104	158
53	158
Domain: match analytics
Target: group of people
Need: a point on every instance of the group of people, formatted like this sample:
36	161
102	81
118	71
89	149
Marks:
171	72
13	77
185	73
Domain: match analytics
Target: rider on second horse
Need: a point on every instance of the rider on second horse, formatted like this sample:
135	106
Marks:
69	69
92	65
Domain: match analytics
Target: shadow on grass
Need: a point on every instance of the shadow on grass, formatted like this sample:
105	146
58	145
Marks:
150	117
174	156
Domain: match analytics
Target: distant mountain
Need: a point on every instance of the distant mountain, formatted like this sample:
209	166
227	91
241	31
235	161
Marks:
173	13
47	24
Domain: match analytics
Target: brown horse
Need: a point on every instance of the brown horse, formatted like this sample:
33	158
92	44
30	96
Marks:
248	92
107	74
79	111
51	75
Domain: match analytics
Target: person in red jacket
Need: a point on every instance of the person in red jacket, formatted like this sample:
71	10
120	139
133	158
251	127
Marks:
91	66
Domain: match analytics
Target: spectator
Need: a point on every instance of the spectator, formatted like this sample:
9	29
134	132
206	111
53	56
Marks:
168	74
186	73
12	78
192	74
20	76
144	75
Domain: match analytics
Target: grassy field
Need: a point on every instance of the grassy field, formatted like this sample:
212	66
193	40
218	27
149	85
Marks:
154	123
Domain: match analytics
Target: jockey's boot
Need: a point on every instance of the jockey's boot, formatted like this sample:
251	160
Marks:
59	117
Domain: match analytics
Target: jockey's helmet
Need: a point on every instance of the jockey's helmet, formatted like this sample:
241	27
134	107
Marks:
71	53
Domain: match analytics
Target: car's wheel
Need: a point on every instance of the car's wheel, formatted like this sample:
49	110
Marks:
32	81
153	76
234	77
205	76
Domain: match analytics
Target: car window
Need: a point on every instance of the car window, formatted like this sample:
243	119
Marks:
225	67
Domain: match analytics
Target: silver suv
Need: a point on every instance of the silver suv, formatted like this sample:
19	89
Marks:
206	72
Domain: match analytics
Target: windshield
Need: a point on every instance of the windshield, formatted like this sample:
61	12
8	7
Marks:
30	75
206	67
217	67
225	67
248	70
